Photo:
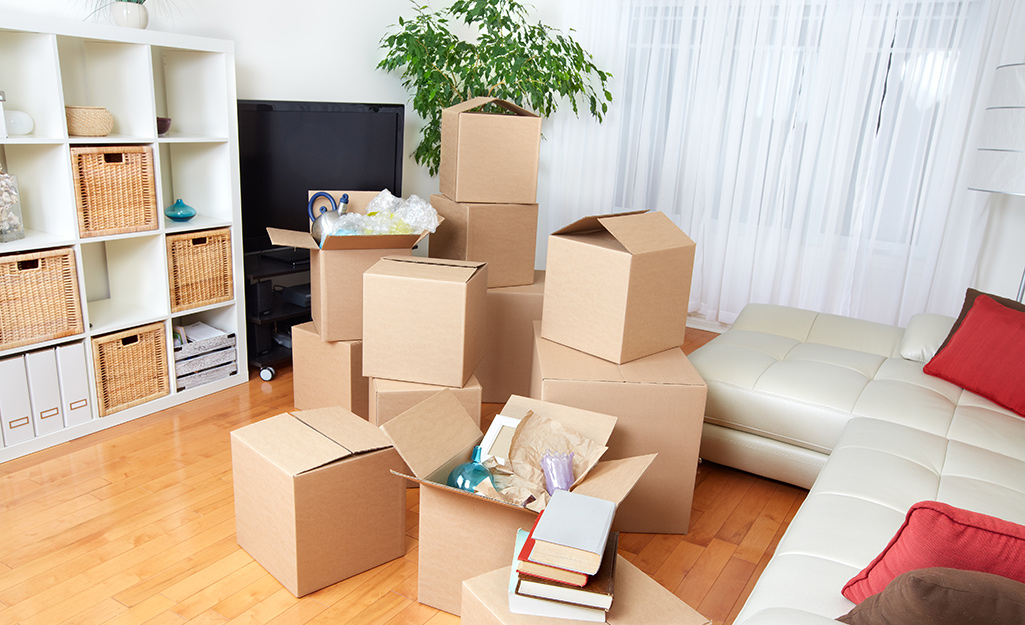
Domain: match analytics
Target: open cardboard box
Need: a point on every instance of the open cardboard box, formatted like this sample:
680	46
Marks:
462	534
336	269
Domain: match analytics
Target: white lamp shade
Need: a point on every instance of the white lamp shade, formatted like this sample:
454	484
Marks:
1000	160
999	171
1008	86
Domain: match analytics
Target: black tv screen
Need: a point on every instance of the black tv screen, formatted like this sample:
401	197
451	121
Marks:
289	148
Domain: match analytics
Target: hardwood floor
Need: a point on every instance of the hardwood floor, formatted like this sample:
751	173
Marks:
136	525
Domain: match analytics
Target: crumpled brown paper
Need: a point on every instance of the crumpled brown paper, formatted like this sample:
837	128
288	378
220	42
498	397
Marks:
521	481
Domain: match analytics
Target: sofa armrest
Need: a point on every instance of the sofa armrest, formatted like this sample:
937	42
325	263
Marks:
924	335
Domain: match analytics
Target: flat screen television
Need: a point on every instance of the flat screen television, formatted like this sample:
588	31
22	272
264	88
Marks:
289	148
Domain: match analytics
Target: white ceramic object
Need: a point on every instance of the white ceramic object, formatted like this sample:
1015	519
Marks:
18	123
130	14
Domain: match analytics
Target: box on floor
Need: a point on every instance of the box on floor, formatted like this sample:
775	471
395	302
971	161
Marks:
617	286
423	319
462	535
336	269
509	339
660	403
489	157
316	499
327	373
502	235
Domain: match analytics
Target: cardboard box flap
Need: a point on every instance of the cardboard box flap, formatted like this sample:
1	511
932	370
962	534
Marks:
648	232
303	240
431	433
480	101
292	238
345	428
614	479
440	269
594	425
290	444
592	223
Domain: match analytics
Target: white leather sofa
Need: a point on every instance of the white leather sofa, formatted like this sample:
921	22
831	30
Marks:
841	406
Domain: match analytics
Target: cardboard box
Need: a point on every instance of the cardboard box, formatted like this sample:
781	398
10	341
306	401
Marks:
390	398
327	373
502	235
336	270
617	286
639	600
462	534
509	339
660	403
423	319
316	500
489	157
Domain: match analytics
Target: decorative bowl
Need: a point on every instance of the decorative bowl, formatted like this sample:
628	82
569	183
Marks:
163	125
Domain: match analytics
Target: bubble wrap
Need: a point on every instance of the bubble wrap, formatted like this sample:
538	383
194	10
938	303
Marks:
387	214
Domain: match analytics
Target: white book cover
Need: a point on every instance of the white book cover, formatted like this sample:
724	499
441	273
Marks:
531	606
576	521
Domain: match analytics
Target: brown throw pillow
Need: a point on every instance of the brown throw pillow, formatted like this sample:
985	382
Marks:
969	299
941	596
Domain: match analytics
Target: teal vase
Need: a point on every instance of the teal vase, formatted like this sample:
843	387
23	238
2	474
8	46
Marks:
179	211
467	475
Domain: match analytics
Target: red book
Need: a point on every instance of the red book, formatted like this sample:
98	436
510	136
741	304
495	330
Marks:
544	571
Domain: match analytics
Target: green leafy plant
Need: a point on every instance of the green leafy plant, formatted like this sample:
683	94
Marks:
530	64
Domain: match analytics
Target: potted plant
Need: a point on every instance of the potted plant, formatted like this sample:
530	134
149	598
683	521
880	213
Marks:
130	13
530	64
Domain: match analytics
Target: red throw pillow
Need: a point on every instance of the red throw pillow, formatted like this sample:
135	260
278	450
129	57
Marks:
985	354
936	534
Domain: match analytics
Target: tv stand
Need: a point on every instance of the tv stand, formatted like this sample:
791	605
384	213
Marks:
267	314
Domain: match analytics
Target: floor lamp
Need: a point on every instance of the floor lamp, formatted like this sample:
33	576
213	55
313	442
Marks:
1000	162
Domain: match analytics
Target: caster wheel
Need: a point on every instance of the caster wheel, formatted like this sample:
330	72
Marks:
267	374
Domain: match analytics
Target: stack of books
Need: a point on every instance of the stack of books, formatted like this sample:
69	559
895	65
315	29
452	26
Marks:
565	566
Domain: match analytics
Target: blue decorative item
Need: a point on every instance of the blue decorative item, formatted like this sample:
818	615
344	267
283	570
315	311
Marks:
467	475
179	211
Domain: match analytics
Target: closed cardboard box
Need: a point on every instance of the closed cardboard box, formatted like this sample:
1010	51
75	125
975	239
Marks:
327	373
509	339
660	403
462	534
617	286
390	398
423	319
639	600
316	501
489	157
336	270
502	235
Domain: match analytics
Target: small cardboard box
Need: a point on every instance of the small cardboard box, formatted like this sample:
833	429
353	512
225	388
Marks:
423	319
509	339
489	157
336	269
502	235
390	398
639	600
617	286
462	534
660	403
316	500
327	373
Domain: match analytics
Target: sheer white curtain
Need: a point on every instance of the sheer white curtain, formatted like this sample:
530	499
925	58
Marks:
814	149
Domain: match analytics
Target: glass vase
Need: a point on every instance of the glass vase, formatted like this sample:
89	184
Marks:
12	227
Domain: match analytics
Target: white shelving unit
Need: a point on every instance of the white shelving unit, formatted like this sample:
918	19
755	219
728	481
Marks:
138	75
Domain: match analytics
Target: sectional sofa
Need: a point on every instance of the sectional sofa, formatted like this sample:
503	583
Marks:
842	407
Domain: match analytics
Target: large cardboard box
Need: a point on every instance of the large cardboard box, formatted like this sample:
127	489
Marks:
617	286
423	319
462	534
660	403
316	500
390	398
639	600
509	339
502	235
489	157
327	373
336	269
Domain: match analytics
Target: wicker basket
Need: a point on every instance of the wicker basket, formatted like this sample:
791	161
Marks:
199	268
114	189
39	298
131	367
88	121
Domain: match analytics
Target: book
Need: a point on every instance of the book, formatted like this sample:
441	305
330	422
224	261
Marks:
535	569
597	593
532	606
572	531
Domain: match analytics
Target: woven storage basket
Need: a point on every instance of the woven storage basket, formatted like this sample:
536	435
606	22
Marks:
114	189
39	298
131	367
199	268
88	121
